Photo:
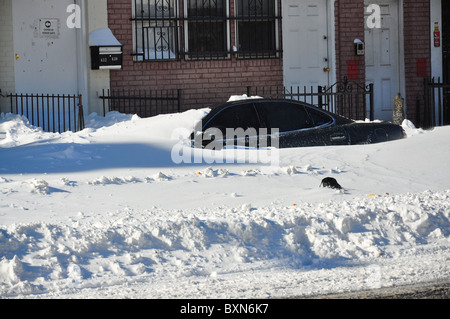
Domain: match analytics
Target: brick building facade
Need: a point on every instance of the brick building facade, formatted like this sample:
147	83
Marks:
415	36
203	82
208	82
251	43
417	41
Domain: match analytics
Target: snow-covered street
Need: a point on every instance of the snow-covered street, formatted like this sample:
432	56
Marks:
106	213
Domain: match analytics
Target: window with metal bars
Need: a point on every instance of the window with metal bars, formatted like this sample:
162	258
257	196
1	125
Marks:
256	28
207	28
156	31
204	26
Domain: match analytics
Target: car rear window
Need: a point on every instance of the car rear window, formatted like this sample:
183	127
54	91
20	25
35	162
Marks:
286	116
318	117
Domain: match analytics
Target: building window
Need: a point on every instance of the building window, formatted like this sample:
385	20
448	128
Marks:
206	24
201	31
156	31
256	28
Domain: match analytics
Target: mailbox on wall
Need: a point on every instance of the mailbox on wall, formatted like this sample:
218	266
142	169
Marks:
106	51
106	58
359	47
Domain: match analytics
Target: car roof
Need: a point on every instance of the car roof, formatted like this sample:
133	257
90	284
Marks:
217	108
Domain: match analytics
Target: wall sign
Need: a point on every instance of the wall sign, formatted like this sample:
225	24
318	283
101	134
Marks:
48	28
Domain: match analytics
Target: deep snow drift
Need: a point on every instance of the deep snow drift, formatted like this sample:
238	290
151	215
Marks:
106	213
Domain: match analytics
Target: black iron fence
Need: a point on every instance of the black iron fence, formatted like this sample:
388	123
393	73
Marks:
436	110
345	98
144	103
51	112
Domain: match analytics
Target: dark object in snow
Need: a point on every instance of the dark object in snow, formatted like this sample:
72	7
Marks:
284	124
330	182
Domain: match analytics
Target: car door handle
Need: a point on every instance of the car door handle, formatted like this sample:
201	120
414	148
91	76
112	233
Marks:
338	138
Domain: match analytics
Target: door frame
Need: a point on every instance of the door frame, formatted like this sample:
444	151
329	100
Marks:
401	53
79	82
331	48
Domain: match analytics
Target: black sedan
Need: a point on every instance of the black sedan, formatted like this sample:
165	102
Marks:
283	124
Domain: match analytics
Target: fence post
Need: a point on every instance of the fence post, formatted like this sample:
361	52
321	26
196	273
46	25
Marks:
372	109
319	96
80	113
11	96
426	100
179	92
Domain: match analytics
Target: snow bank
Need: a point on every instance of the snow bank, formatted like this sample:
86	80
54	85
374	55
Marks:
106	213
130	245
16	130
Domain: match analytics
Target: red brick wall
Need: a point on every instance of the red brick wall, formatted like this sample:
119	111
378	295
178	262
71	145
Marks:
203	83
349	25
211	82
417	37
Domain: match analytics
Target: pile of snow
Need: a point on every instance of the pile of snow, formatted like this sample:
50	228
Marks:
106	213
242	97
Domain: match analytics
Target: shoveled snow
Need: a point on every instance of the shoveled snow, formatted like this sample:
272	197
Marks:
106	213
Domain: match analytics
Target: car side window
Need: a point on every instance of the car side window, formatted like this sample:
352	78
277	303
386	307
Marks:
236	116
286	116
319	118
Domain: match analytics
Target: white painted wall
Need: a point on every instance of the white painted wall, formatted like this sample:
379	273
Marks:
96	18
55	63
7	83
436	52
44	63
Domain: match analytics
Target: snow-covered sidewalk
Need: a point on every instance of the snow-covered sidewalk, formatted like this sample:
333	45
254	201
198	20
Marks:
106	213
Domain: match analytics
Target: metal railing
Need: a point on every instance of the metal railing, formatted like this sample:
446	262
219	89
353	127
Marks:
436	110
144	103
345	98
51	112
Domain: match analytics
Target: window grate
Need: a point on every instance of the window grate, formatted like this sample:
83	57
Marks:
156	31
202	30
256	28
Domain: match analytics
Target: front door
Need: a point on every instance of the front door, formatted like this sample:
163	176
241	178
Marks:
382	58
305	43
45	47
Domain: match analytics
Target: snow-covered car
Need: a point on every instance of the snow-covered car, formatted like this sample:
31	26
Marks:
283	124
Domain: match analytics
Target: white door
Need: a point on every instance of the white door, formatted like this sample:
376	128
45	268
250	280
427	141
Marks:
45	47
305	43
382	58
